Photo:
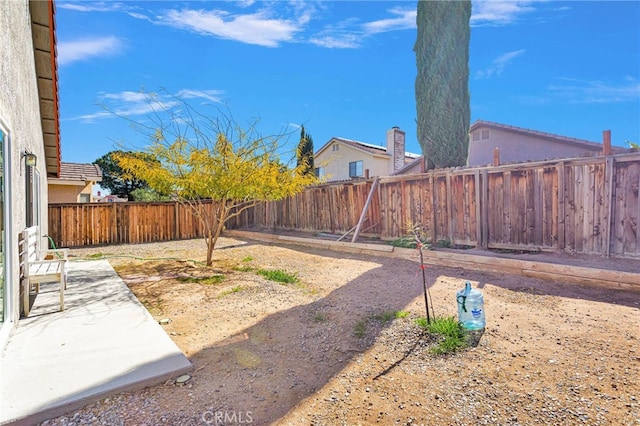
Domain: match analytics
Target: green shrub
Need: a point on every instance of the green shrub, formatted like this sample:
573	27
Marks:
232	290
243	268
405	242
278	275
361	329
319	317
450	332
211	280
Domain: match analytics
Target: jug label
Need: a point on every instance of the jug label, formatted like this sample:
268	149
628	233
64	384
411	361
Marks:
476	312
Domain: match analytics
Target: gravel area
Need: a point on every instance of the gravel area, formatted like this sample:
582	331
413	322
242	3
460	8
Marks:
317	352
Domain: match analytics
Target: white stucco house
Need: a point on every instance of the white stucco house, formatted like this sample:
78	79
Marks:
344	159
29	136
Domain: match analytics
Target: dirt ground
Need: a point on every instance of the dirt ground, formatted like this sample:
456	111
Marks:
320	352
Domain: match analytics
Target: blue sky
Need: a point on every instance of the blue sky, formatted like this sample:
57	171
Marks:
341	68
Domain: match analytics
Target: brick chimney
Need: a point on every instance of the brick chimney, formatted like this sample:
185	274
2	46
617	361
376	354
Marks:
395	148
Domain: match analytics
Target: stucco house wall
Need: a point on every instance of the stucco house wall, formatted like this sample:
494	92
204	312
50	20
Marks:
68	193
22	131
518	145
336	162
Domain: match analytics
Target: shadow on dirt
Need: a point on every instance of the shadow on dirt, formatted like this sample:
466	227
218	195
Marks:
270	367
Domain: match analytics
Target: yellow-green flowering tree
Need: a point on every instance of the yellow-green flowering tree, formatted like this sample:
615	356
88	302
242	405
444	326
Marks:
199	158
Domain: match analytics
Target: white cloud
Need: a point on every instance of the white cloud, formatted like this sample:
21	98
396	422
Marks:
245	3
139	15
498	12
72	51
337	41
211	95
404	19
90	118
99	6
257	28
499	64
591	92
127	96
129	103
350	33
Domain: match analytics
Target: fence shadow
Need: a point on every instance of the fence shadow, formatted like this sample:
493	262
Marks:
268	368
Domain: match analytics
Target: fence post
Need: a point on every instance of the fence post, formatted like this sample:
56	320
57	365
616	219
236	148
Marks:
608	181
478	212
561	207
176	214
114	231
449	207
606	142
496	156
485	208
434	233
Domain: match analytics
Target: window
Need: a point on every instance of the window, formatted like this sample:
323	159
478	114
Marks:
485	134
355	169
476	136
319	171
85	198
335	147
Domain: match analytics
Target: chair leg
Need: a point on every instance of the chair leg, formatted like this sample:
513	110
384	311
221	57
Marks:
63	286
26	287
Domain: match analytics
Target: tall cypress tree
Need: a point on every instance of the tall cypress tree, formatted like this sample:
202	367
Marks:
304	153
442	82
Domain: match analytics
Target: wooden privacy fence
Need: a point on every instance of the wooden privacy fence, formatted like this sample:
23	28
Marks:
586	205
88	224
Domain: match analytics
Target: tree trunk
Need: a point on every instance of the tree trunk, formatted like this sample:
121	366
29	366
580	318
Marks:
212	239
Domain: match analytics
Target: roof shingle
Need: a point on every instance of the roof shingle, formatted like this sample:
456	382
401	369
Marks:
77	171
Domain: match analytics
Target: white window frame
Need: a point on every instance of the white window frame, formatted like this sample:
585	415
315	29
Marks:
9	308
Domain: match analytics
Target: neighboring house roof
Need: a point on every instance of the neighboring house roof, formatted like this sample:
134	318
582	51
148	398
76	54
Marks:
587	145
80	172
44	47
365	147
416	165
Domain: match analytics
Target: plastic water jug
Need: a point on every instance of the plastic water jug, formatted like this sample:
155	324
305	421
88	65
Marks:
470	308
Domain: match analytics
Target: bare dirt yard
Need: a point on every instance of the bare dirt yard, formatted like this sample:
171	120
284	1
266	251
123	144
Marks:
327	349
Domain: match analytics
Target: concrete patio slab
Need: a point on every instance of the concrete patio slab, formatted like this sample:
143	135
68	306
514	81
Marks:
104	342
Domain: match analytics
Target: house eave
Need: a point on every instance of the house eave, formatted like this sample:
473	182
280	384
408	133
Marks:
354	146
68	182
588	145
45	54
